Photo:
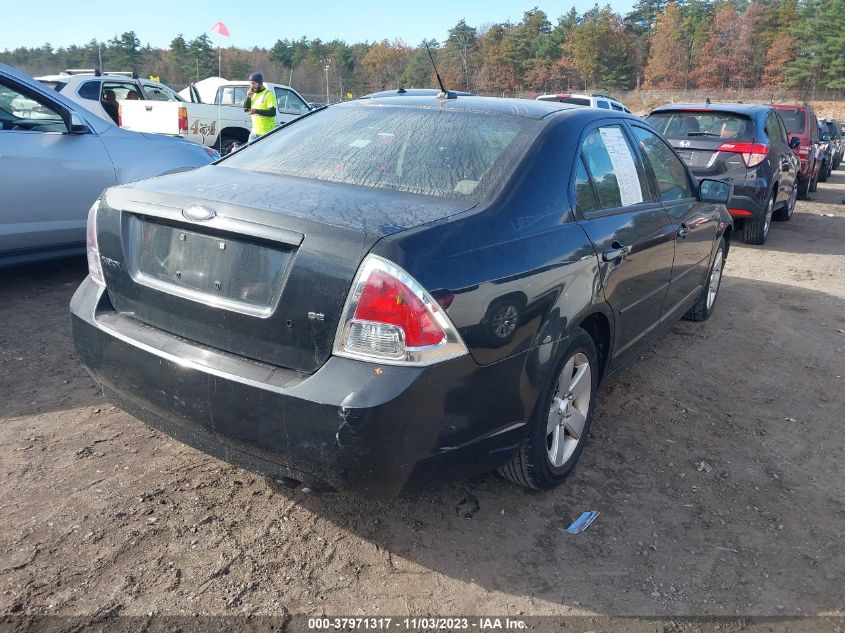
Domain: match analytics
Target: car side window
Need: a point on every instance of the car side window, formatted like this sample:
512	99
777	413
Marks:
669	171
602	104
233	95
773	129
289	103
612	163
90	90
21	112
159	93
616	107
585	194
121	90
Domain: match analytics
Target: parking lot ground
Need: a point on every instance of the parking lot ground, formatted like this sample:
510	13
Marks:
715	459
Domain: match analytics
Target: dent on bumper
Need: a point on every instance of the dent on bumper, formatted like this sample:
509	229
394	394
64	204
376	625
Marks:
347	426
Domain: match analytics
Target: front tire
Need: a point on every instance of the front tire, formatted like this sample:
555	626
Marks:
561	421
702	309
785	214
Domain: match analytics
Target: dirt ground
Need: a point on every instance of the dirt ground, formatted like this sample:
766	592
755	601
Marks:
716	461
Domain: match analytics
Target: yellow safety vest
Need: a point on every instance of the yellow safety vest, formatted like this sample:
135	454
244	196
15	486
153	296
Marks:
262	101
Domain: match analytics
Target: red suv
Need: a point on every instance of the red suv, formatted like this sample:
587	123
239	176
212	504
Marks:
801	121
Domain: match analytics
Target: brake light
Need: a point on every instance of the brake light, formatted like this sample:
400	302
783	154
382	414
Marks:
95	268
740	213
390	318
752	153
183	120
804	152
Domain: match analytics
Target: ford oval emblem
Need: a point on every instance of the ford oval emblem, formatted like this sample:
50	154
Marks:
198	214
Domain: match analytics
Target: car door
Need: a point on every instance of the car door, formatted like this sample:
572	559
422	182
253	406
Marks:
695	223
787	163
49	177
289	105
630	230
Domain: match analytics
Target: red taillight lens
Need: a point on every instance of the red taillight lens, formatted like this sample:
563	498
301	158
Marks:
390	318
804	152
752	153
183	120
740	213
387	300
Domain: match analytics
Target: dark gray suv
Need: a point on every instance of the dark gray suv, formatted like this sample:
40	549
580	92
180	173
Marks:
744	144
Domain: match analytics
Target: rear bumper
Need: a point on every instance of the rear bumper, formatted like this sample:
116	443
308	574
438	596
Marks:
749	199
345	427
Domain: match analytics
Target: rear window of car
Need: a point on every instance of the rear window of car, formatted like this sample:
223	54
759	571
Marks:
689	124
431	152
794	120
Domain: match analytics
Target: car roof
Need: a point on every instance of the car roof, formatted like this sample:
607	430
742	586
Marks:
735	108
526	108
413	92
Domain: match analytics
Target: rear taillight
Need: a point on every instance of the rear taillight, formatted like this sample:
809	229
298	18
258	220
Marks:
752	153
183	120
390	318
95	268
804	152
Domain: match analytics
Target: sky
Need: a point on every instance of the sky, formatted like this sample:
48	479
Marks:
157	22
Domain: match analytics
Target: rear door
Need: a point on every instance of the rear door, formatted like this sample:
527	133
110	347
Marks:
695	223
783	158
630	230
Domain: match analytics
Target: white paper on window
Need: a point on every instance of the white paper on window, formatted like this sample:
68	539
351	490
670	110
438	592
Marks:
623	165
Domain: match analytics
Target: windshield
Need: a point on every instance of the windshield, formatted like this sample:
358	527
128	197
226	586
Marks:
794	120
684	125
432	152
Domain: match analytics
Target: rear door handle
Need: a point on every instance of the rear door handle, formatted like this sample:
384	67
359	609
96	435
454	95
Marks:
682	231
616	253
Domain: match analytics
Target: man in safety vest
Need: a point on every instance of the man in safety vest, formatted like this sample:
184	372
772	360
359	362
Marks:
261	104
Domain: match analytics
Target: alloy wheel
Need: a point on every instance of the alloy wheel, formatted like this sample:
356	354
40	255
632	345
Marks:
715	279
768	222
569	409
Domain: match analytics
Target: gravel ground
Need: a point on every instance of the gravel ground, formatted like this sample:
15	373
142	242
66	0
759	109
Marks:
715	459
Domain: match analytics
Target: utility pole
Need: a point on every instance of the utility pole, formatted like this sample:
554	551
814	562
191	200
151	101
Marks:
328	62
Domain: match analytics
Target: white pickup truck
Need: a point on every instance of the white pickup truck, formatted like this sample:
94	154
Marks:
219	124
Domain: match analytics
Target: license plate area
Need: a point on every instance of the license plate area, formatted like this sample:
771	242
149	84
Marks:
231	271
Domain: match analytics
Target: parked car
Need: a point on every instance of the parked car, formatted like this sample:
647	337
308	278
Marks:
89	88
834	131
276	309
55	160
801	121
593	100
746	145
826	151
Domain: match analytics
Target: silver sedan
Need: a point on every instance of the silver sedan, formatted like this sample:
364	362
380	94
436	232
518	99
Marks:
55	160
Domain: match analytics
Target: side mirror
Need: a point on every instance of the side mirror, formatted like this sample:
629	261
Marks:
78	124
716	191
825	137
794	142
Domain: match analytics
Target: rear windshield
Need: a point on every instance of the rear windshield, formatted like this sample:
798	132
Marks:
432	152
676	125
794	120
570	100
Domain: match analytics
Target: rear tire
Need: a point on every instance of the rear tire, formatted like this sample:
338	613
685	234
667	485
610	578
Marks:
814	183
803	189
561	421
702	309
225	142
824	172
756	230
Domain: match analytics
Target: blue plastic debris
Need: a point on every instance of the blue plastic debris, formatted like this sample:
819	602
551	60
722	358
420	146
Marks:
583	522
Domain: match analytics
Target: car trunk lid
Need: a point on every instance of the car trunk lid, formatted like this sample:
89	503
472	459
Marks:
254	264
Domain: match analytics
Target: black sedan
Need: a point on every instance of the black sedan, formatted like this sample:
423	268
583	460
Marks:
745	144
394	292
